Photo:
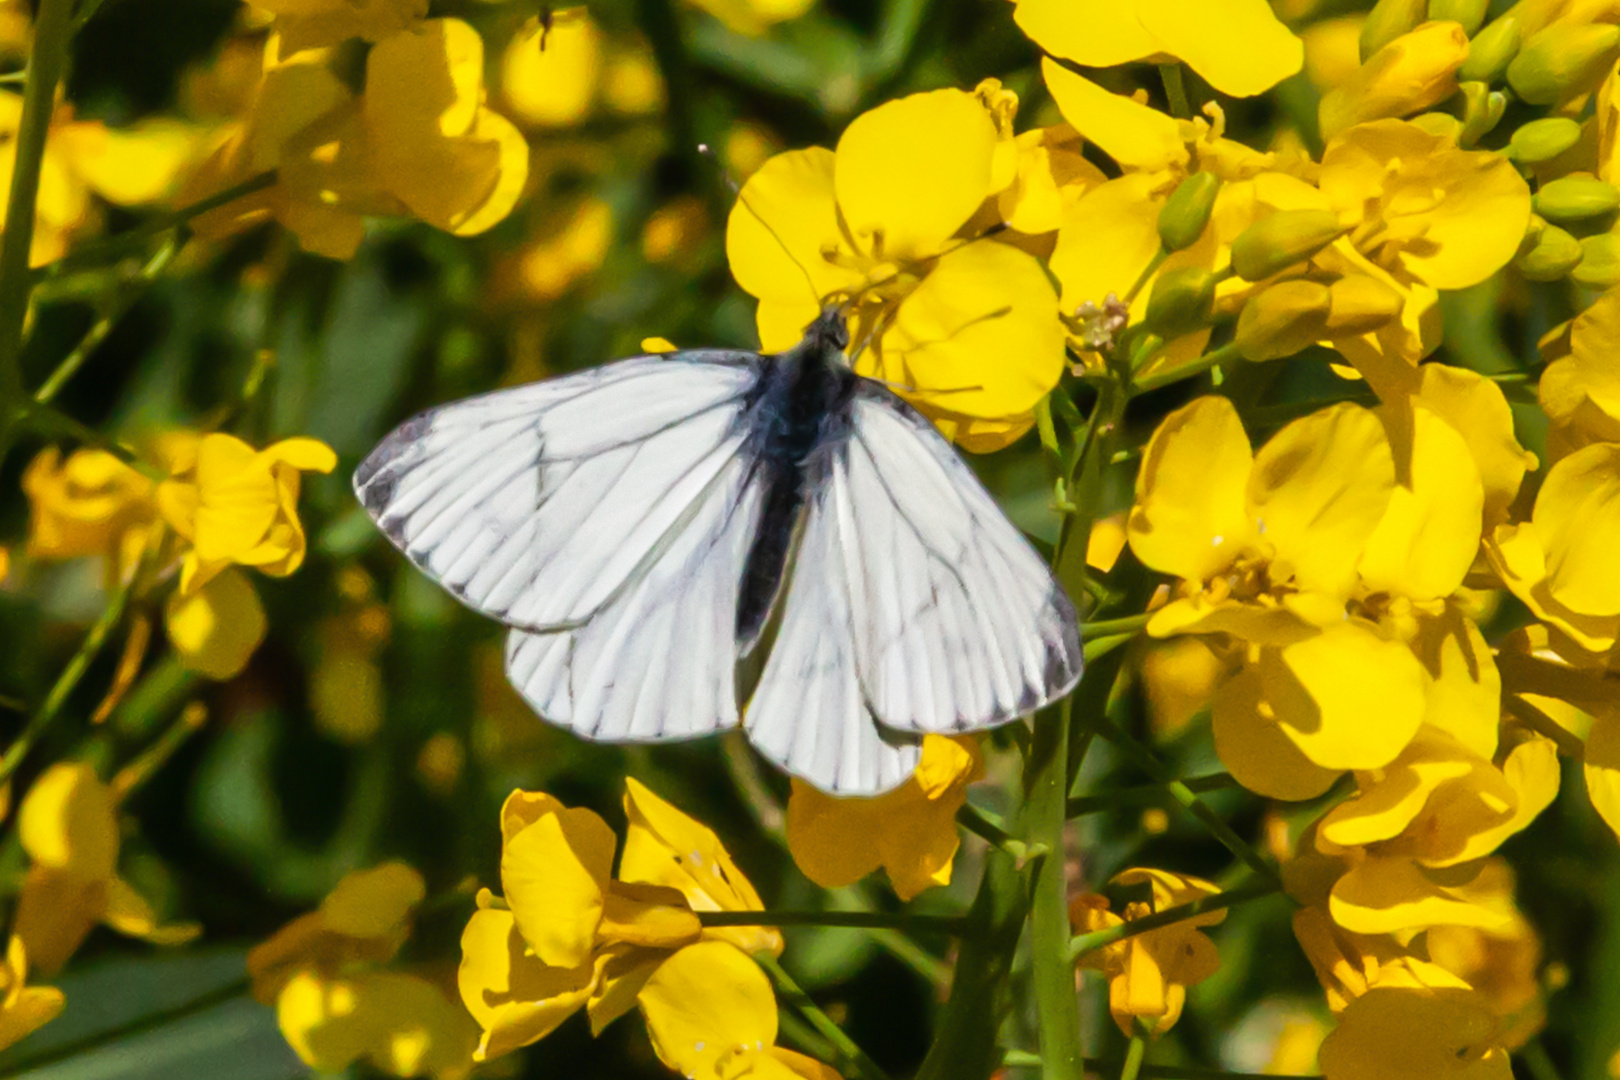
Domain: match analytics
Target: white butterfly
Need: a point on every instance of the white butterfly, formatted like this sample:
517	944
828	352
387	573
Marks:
649	528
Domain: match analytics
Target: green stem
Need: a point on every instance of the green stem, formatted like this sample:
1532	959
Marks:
1081	944
987	826
1145	794
52	27
794	995
1046	805
122	301
1103	627
1536	1060
964	1046
1023	1059
219	996
1134	1053
1189	799
1569	744
1196	366
1175	91
1145	276
65	683
941	924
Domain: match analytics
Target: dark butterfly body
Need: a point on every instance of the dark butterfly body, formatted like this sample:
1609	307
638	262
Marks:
640	525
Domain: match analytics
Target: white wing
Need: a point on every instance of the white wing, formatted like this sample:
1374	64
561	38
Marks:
808	713
584	480
959	623
913	604
659	661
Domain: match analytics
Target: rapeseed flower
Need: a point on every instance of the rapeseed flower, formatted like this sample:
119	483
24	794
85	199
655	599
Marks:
24	1009
87	503
966	328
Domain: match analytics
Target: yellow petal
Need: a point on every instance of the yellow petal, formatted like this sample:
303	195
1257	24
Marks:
555	874
910	172
216	629
1251	744
650	916
374	903
1406	76
1418	1033
491	129
69	821
1476	407
129	166
1346	697
783	219
1318	489
400	1023
979	337
1190	518
1096	33
1134	135
1601	765
1430	531
1239	46
549	75
1464	687
513	996
1106	239
1391	895
55	911
129	913
33	1008
708	1004
1579	506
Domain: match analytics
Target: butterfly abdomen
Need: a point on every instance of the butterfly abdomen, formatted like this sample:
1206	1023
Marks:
800	408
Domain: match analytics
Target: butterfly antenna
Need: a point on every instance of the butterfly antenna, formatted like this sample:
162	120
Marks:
708	151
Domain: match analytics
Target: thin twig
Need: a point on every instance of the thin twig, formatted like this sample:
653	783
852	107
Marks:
791	992
1081	944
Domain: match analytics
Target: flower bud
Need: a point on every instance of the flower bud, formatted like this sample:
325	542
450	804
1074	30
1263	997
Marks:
1576	198
1554	254
1388	20
1491	51
1187	210
1409	74
1532	233
1600	262
1561	60
1544	139
1482	111
1181	302
1283	319
1361	304
1470	13
1273	244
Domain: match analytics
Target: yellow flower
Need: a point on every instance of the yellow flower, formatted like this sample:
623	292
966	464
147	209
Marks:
1413	836
239	505
1580	392
216	628
90	503
1415	1021
402	1024
909	832
753	17
966	329
568	936
24	1009
1240	46
1148	974
549	74
1503	962
311	24
1406	76
68	825
364	919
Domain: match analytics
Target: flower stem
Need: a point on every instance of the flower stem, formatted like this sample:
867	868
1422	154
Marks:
1175	91
903	920
1128	625
1145	794
1082	944
1569	744
794	995
45	63
1196	366
1134	1053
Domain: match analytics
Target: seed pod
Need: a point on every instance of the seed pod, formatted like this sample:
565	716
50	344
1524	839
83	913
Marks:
1491	51
1554	254
1482	111
1181	302
1544	139
1600	262
1283	319
1273	244
1576	198
1561	60
1186	211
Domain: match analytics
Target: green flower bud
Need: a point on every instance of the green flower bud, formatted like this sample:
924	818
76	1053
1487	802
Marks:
1544	139
1361	304
1273	244
1283	319
1471	13
1482	111
1388	20
1181	302
1491	51
1554	254
1600	262
1561	60
1576	198
1532	233
1187	210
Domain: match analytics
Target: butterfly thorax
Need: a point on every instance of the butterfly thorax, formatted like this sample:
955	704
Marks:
797	413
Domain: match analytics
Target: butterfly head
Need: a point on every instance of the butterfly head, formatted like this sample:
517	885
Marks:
829	332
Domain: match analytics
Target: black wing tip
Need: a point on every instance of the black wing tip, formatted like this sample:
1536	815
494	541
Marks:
372	491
